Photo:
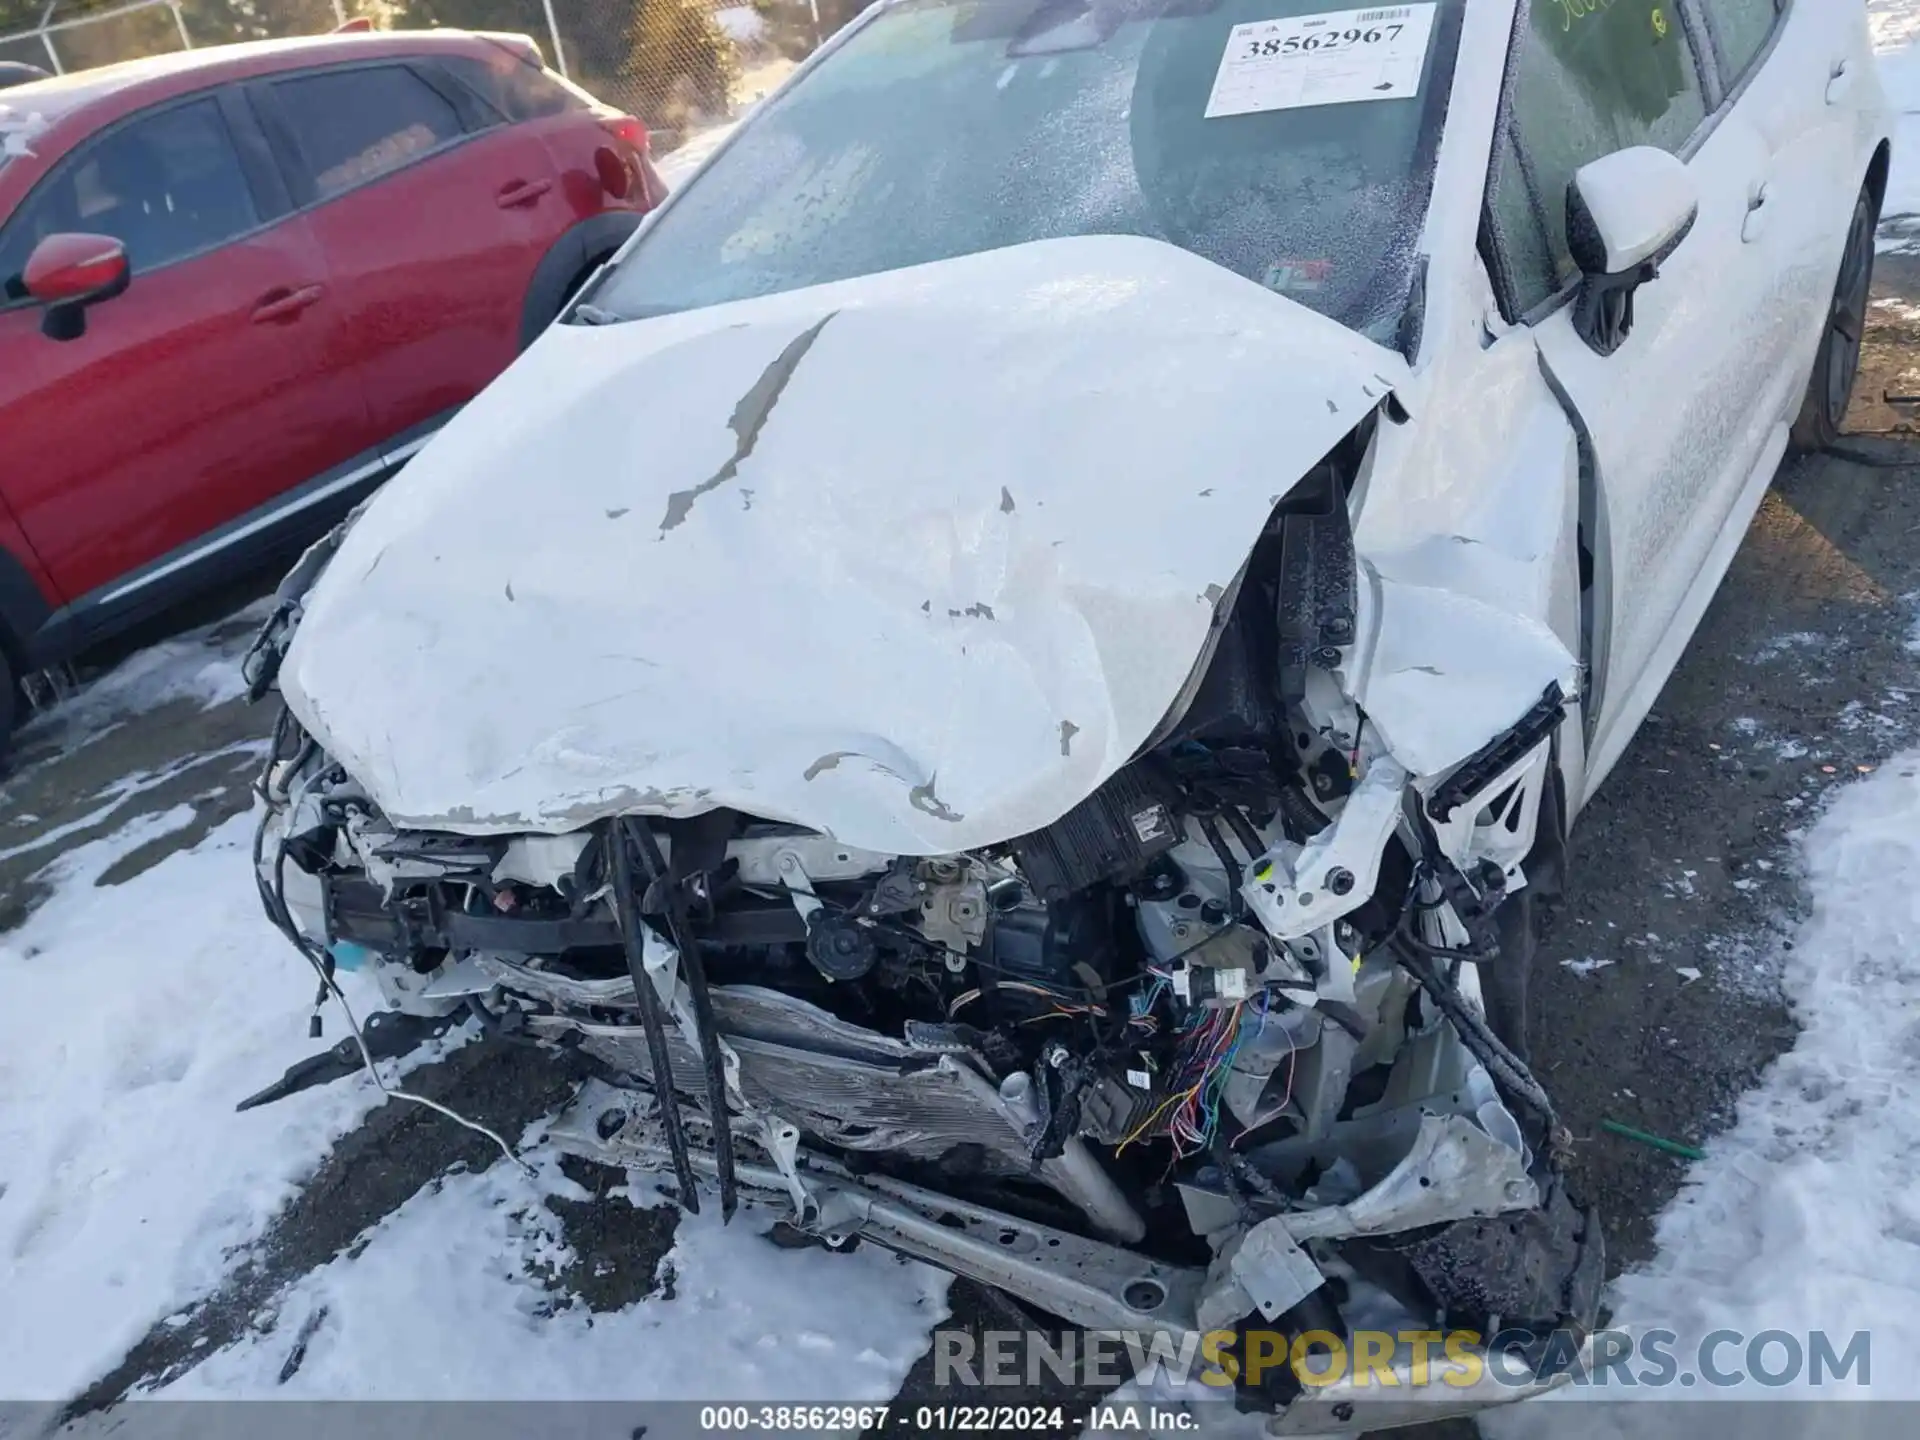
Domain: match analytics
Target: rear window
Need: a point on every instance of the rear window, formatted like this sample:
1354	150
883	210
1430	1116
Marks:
1290	141
517	90
356	125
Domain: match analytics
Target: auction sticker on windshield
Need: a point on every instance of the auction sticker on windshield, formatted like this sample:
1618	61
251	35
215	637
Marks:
1330	59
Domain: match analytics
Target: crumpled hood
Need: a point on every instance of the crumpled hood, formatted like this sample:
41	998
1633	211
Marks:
916	560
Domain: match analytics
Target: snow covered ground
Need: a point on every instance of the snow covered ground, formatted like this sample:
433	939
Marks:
129	1187
1806	1215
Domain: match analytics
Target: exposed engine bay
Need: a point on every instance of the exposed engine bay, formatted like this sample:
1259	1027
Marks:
1237	1041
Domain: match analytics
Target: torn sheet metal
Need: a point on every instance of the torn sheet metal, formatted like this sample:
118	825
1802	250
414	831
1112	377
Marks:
916	560
1445	671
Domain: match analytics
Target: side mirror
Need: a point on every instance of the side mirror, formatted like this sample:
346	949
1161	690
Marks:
67	273
1626	213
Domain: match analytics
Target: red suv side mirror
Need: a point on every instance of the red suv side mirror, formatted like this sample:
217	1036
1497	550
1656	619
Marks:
67	273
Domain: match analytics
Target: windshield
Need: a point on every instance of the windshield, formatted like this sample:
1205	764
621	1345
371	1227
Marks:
1289	142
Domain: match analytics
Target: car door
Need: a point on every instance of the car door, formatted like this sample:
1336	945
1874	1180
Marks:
200	394
431	217
1695	403
1796	74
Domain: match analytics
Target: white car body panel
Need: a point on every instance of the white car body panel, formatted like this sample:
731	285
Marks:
919	561
1635	196
948	581
1689	420
1469	603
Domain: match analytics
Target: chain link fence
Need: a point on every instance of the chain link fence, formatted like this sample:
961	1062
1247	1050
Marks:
680	65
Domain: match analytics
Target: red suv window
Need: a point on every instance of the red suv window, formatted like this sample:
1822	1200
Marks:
166	186
516	89
356	125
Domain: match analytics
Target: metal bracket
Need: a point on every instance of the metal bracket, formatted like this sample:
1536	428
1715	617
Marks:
783	1144
792	871
1294	891
1274	1271
1086	1282
1454	1171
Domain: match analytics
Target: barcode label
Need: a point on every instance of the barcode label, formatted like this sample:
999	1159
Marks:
1342	57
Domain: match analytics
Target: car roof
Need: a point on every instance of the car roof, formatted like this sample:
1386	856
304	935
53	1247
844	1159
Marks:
132	83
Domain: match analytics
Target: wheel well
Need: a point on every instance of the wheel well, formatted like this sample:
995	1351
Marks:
566	264
580	278
24	613
1877	172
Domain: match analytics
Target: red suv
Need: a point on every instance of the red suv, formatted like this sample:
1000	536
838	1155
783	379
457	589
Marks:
242	285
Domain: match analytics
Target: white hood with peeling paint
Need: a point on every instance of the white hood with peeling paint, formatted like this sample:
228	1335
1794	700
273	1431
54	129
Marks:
915	560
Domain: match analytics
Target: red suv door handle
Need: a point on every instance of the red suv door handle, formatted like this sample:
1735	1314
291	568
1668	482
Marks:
521	192
284	303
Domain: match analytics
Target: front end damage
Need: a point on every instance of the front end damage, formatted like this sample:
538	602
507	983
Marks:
979	814
1210	1052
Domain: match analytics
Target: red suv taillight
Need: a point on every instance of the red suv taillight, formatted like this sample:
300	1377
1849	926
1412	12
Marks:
627	128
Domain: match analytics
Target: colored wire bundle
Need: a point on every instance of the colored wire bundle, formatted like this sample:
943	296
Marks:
1205	1065
1199	1072
1062	1004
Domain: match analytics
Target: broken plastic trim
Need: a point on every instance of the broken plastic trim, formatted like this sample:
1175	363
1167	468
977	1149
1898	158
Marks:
626	906
1498	755
688	944
260	666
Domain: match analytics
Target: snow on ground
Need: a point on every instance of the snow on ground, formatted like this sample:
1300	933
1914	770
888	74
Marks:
129	1182
135	1016
1806	1214
201	665
445	1303
1896	40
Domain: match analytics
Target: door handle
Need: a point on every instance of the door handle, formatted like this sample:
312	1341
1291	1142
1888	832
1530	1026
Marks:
1755	225
521	192
284	303
1840	82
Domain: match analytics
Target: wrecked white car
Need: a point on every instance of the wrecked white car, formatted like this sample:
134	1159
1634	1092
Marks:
1015	667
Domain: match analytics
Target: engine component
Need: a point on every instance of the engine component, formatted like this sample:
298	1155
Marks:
1317	584
1115	1106
953	914
1298	889
1210	985
1053	946
838	947
1109	836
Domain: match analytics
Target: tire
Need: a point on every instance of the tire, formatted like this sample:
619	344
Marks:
1504	981
1824	411
575	285
567	292
9	710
